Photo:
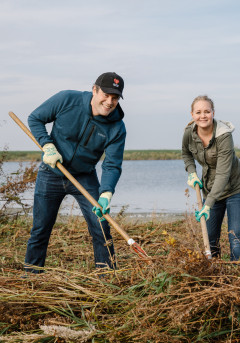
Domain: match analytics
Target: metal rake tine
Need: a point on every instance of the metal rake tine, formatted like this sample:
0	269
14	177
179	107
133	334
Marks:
141	253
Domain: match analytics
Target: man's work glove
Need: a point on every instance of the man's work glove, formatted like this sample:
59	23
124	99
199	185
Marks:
205	211
193	179
104	202
51	155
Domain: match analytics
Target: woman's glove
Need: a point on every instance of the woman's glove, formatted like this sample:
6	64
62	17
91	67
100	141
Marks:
51	155
205	211
104	201
193	179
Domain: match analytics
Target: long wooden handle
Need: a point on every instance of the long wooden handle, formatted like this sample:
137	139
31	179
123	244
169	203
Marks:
75	182
203	225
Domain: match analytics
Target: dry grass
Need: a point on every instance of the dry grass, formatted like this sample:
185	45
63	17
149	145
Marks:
181	297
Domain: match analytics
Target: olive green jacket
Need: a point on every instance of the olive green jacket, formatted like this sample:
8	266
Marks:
220	166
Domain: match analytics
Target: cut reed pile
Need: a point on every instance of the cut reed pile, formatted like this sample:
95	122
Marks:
181	297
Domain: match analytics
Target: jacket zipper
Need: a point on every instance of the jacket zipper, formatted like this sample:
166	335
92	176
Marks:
79	142
89	136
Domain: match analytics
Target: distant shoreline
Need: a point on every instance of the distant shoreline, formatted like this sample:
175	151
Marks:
128	217
129	155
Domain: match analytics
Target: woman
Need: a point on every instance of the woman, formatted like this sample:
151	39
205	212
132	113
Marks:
209	141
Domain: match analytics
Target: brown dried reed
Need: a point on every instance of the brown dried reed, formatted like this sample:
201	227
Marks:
181	297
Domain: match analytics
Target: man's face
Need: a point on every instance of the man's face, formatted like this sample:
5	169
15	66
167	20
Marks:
102	103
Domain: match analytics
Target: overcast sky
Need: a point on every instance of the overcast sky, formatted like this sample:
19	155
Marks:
168	52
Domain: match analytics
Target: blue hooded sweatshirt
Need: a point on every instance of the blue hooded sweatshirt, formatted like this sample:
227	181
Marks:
80	137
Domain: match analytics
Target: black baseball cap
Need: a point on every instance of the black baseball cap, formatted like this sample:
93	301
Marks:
110	83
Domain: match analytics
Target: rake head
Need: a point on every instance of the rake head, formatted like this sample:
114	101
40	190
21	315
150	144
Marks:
141	253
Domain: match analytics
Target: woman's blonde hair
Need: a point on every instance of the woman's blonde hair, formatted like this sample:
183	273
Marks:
202	97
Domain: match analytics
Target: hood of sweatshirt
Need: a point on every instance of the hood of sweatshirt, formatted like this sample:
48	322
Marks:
223	127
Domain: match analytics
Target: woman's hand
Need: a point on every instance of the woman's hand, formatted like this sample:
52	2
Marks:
193	179
205	211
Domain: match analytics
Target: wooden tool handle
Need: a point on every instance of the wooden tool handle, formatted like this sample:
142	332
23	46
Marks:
74	181
203	224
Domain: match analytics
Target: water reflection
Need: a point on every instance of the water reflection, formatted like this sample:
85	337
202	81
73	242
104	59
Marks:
144	187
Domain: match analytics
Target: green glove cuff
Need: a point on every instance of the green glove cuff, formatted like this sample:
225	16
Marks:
104	202
205	211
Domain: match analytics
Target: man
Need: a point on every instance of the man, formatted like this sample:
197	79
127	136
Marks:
85	125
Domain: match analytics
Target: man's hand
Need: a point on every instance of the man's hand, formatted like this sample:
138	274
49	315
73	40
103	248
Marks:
104	202
193	179
205	211
51	155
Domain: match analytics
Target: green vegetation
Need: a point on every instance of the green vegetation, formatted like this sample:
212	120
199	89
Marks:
133	155
237	151
152	154
21	156
128	155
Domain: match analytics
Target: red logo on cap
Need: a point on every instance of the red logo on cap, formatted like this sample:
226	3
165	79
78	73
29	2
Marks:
116	81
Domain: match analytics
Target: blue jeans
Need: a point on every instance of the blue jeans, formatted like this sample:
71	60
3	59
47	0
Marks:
50	191
232	205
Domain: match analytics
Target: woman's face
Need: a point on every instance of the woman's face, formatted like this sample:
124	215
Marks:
203	114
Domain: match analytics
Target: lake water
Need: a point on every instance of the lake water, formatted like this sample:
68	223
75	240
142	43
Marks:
152	187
